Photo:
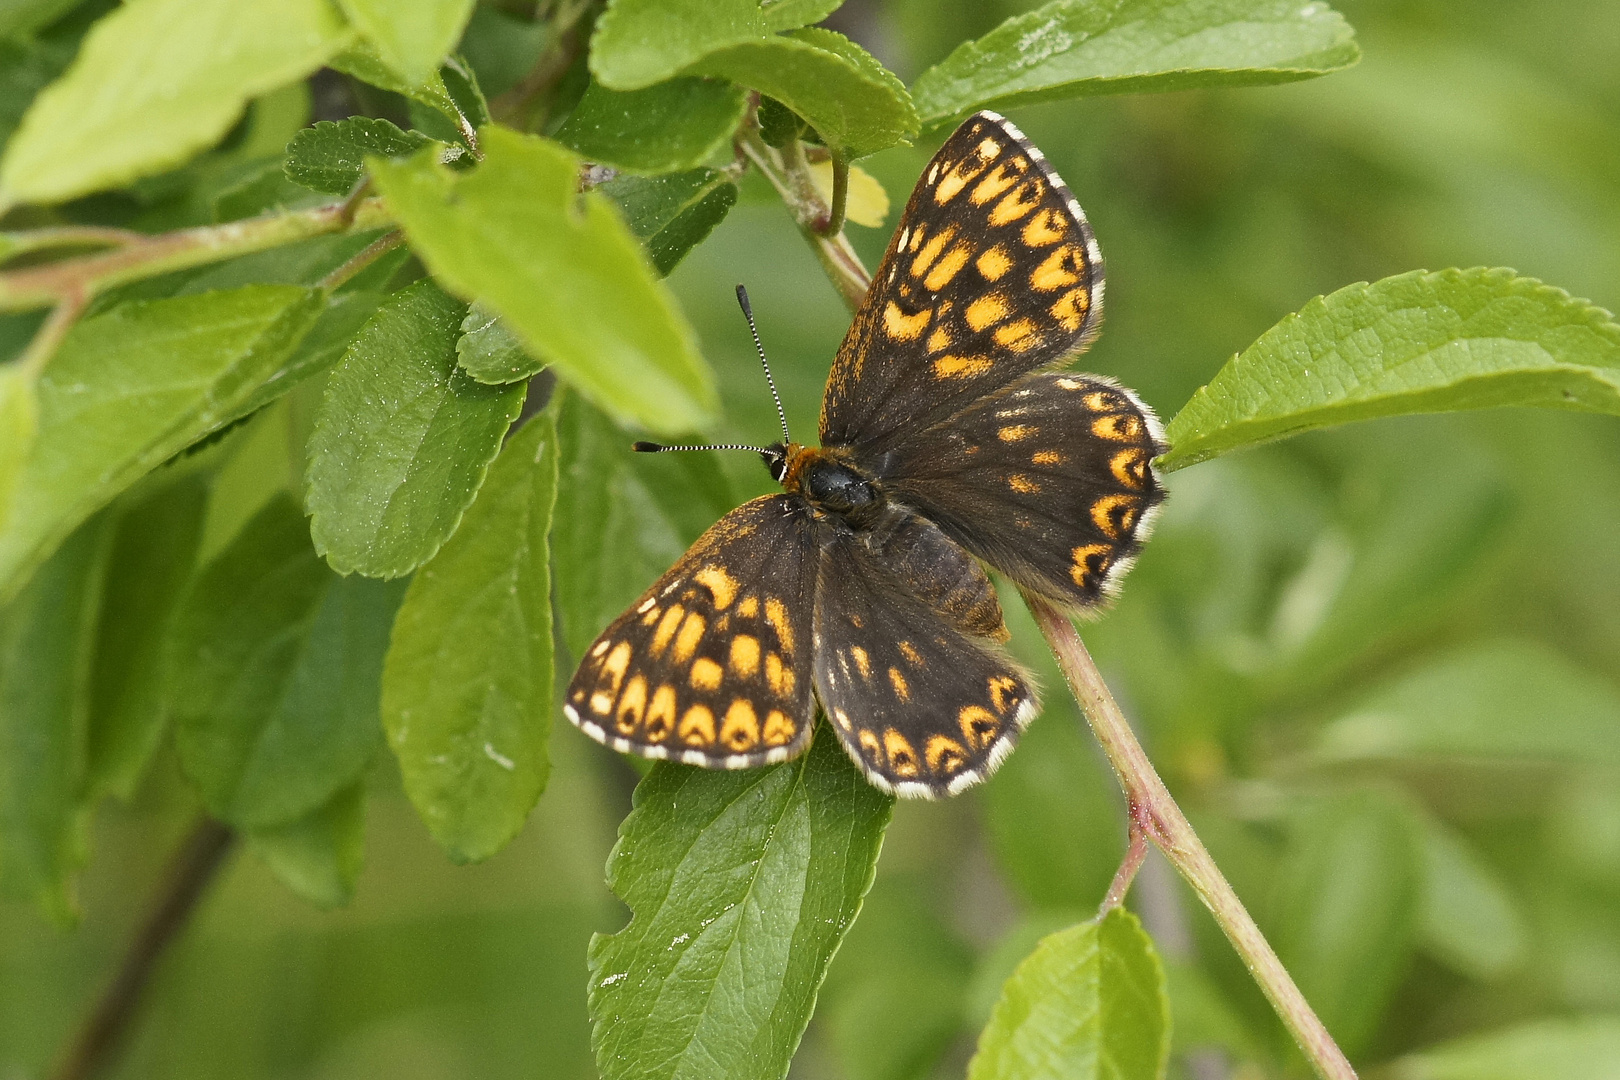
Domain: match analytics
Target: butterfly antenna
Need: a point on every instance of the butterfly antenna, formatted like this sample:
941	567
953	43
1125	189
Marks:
658	448
748	313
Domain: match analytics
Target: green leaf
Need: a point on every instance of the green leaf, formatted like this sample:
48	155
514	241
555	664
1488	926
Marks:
853	102
19	423
467	685
133	386
318	855
790	14
1088	1002
331	157
20	17
154	548
1575	1049
1468	920
402	439
274	666
1492	701
673	213
1414	343
1346	909
489	351
344	316
622	518
1074	48
411	38
362	60
637	43
740	887
562	269
26	68
47	638
155	82
677	124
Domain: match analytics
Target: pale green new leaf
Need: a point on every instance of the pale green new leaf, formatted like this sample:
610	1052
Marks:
362	60
489	351
154	82
637	43
19	422
1415	343
740	887
318	855
677	124
1573	1049
402	439
1088	1004
563	270
467	683
854	102
47	642
412	38
274	666
791	14
1074	48
133	386
1500	701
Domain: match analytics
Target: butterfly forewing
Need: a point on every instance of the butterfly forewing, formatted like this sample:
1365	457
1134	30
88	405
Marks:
1049	481
992	273
923	706
712	666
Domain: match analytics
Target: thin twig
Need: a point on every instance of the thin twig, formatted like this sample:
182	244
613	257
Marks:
94	1050
838	258
1134	854
13	244
49	336
41	286
362	259
1163	823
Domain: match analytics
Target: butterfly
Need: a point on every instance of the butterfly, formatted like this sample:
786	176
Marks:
949	441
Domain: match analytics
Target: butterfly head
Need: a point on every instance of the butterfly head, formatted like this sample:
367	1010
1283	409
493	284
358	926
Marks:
776	458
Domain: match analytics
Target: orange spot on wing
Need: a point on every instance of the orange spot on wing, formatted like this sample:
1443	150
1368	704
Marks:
993	263
1023	484
987	311
1116	515
697	727
706	674
739	731
779	729
902	327
1018	336
902	758
947	267
961	367
660	714
1046	227
1063	267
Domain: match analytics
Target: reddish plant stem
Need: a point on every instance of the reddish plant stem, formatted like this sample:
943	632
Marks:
1134	854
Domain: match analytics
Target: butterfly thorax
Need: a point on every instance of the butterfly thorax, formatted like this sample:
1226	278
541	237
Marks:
830	482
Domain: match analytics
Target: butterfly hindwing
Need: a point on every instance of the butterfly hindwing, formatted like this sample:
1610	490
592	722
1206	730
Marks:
1050	481
992	273
712	666
924	706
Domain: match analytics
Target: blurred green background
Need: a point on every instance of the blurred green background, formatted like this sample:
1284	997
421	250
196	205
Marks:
1379	666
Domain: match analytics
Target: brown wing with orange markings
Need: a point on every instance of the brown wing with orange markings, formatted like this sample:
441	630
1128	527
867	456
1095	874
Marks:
992	273
1049	481
712	666
917	689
